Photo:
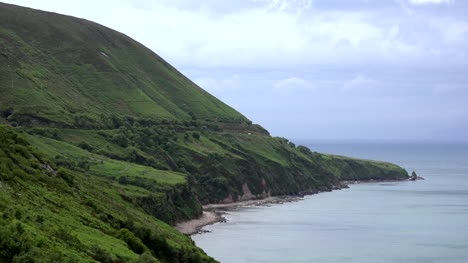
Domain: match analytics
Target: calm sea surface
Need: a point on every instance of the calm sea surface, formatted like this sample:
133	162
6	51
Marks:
423	221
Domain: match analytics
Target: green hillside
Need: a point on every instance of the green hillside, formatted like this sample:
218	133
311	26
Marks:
50	213
71	72
104	147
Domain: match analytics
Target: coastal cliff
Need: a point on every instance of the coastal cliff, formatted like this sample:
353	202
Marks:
107	146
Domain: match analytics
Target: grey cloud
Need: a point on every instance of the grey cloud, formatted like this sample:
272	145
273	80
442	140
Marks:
331	69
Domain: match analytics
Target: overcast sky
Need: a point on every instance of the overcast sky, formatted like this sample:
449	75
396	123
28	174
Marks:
320	69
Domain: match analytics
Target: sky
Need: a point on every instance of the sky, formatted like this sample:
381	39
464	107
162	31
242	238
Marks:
372	70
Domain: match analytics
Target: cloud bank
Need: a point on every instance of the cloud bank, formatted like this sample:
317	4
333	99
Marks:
331	69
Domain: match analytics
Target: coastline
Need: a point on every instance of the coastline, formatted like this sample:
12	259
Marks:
195	226
213	213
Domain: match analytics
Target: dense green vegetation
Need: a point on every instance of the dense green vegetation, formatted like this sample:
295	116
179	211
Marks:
104	146
79	214
218	164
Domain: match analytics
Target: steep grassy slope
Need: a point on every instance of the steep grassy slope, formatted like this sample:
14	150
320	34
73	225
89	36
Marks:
72	72
49	213
116	146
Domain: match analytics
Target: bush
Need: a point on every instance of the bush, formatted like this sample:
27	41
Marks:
13	242
67	237
196	135
18	214
147	258
40	219
123	180
133	242
85	146
63	162
90	203
66	176
101	255
121	140
156	242
84	164
304	150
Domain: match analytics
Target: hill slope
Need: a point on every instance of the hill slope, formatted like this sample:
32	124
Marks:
110	146
49	213
73	72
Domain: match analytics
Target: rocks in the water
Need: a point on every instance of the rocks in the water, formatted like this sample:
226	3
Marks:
415	177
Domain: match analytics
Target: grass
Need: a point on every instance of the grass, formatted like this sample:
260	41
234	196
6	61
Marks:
263	146
103	166
67	219
58	67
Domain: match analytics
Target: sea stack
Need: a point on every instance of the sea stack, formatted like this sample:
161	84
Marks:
415	177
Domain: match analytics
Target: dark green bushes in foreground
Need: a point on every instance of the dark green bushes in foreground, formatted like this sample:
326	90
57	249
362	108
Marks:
143	239
18	244
53	214
15	243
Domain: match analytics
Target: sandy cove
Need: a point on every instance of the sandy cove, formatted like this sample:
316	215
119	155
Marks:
194	226
213	213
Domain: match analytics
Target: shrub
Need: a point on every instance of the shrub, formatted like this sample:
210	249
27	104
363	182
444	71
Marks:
99	254
63	162
66	176
13	242
40	219
196	135
90	203
67	237
18	214
156	242
121	140
133	242
123	180
85	146
147	258
19	173
304	150
84	164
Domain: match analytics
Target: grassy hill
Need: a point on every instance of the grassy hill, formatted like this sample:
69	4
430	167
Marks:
72	72
104	147
50	213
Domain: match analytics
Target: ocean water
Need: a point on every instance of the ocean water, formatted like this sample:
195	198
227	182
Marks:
422	221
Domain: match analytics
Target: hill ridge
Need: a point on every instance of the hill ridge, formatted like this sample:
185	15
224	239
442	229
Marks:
80	68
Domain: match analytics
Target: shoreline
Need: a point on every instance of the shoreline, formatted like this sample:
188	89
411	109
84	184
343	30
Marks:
213	213
253	202
194	226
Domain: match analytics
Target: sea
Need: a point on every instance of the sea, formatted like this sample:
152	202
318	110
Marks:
419	221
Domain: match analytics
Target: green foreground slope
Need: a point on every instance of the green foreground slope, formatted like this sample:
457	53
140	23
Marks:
49	213
109	147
